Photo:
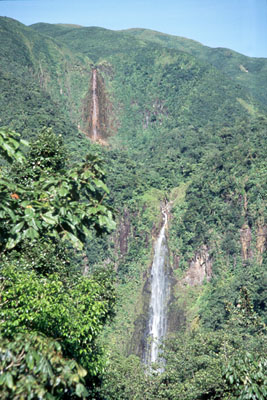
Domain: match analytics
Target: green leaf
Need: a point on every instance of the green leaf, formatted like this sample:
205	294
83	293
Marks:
63	189
9	381
73	239
25	203
81	390
29	212
30	360
81	371
87	174
11	243
63	211
101	184
31	233
86	231
10	151
34	223
10	212
107	221
17	228
2	379
24	142
49	218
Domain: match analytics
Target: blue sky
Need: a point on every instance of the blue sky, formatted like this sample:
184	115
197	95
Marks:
237	24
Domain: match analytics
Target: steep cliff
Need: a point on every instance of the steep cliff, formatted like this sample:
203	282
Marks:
97	110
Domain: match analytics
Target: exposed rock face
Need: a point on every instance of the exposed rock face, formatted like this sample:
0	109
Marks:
246	237
124	231
155	114
97	110
261	242
137	344
200	268
85	265
176	261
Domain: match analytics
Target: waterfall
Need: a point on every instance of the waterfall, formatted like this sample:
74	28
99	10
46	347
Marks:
160	291
95	107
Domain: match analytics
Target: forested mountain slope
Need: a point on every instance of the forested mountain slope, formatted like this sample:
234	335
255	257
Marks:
154	89
182	128
42	82
248	71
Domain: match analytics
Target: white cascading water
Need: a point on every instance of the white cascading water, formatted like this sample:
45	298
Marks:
160	289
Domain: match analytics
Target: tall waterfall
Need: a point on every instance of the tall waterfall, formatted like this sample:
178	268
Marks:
160	291
95	107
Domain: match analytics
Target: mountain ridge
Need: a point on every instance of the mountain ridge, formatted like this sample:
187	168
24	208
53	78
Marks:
250	72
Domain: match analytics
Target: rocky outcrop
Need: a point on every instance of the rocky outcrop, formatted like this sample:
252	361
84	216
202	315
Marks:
123	233
85	265
246	242
97	110
261	242
155	114
245	238
200	268
95	134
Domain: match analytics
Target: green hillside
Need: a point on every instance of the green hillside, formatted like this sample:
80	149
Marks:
177	126
42	82
95	42
248	71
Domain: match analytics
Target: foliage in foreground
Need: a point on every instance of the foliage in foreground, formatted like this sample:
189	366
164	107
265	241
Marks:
33	366
50	317
46	200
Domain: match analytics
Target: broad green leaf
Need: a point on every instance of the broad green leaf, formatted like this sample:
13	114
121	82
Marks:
81	371
30	360
24	142
25	203
107	221
34	223
8	149
49	218
10	212
101	184
29	211
11	243
81	390
9	381
31	233
63	190
17	228
86	231
73	239
87	174
63	211
2	379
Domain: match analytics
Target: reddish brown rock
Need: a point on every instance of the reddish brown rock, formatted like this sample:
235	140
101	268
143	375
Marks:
246	237
261	241
200	268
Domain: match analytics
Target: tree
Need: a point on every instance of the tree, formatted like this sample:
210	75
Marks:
246	377
46	206
33	366
55	203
